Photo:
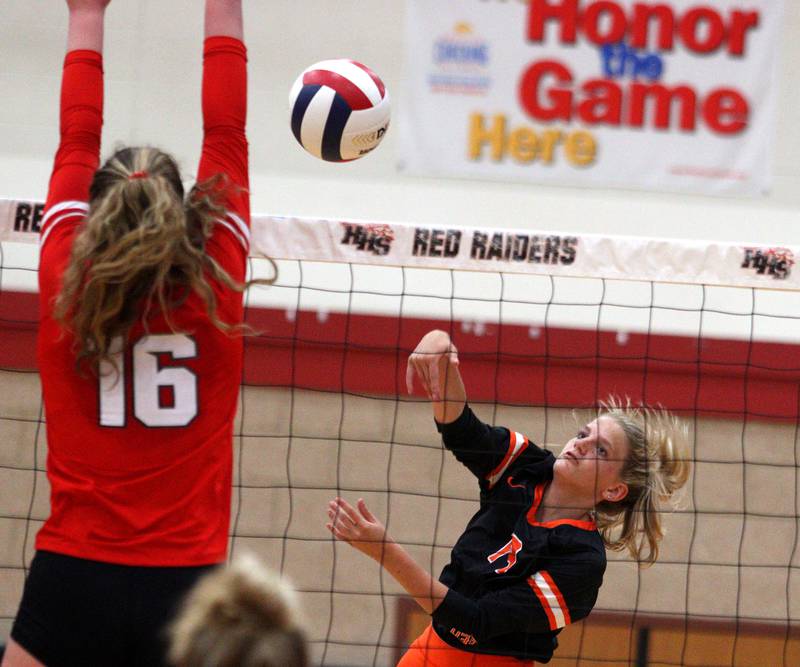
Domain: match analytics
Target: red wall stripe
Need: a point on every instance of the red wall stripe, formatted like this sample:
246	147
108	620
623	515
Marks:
366	354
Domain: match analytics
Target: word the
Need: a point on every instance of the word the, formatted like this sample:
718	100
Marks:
621	60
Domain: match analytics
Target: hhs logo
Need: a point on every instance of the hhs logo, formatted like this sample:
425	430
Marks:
775	262
376	239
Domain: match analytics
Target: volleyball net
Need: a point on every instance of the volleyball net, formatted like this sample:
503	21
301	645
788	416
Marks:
547	326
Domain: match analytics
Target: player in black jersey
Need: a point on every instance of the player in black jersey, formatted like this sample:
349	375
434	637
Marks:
531	560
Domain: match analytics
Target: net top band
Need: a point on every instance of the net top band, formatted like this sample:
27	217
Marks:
493	249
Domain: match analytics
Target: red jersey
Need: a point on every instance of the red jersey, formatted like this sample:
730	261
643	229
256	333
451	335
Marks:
140	467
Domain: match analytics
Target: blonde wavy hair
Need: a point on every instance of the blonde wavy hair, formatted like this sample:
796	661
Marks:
656	468
241	615
141	248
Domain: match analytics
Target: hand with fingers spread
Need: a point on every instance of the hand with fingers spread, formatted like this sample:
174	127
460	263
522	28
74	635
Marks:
358	527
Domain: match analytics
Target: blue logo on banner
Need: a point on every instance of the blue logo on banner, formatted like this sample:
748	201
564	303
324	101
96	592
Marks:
461	62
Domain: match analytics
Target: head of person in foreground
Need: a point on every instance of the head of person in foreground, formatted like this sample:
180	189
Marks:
240	615
628	463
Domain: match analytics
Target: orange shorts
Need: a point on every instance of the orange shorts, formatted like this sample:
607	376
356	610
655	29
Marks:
428	650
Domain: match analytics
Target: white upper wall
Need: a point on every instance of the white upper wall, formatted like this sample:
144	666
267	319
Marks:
152	68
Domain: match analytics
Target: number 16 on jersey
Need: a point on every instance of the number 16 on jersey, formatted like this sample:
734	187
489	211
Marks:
147	381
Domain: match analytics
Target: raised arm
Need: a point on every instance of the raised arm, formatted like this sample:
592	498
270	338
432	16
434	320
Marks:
435	363
86	18
224	159
224	19
80	128
488	451
81	106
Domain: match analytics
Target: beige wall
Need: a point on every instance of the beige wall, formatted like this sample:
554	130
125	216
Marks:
297	449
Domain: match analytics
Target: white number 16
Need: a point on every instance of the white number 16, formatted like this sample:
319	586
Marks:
148	378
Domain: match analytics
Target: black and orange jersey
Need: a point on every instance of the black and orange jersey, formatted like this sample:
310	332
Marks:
513	582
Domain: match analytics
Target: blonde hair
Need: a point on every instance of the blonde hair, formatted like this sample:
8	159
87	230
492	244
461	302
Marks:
241	615
141	245
656	467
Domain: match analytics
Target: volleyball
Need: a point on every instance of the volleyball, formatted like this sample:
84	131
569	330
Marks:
340	110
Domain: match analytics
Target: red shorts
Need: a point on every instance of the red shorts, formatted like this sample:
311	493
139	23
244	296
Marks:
428	650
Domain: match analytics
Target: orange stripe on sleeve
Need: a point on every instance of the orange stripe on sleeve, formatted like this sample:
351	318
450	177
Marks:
559	597
517	444
545	604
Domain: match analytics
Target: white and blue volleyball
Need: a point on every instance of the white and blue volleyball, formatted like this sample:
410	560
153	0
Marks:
340	110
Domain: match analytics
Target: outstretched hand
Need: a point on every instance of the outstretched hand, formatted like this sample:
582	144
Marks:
358	527
430	361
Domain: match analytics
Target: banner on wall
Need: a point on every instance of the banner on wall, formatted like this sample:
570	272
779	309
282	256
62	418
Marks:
675	95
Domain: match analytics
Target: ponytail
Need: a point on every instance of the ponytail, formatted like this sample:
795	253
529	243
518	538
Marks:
141	250
657	467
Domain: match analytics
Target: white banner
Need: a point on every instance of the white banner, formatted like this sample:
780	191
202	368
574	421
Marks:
671	95
490	249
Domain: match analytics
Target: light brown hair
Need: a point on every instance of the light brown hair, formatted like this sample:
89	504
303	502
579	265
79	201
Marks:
656	467
241	615
141	249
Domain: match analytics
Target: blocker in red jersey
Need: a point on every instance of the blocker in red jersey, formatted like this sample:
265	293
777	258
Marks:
340	110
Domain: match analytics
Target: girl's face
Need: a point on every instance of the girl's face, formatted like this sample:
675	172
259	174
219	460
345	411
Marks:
591	463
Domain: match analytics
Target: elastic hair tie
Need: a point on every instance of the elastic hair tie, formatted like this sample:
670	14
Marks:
138	174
